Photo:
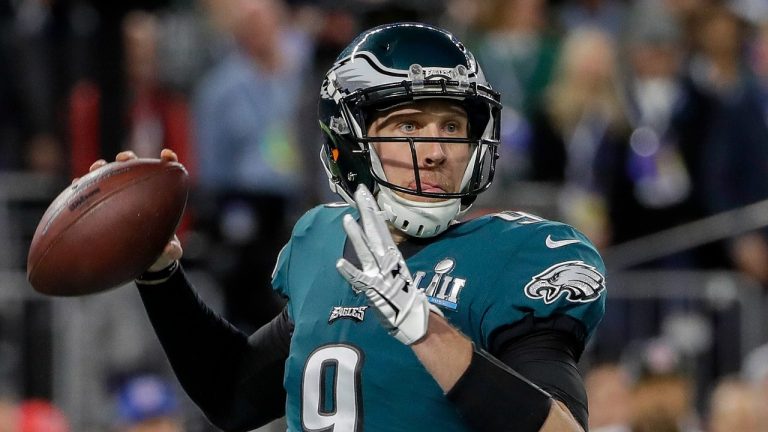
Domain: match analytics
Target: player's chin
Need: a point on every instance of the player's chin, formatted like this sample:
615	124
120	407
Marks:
418	198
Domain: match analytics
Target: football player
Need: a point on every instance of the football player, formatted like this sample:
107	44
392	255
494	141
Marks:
399	317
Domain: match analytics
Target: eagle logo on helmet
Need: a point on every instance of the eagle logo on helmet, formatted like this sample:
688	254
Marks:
580	282
367	71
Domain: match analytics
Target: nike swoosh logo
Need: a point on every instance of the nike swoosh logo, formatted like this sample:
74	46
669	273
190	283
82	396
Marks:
554	244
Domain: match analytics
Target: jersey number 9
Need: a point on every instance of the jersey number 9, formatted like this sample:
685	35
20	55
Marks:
330	389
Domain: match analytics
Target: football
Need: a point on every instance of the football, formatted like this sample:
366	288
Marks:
107	228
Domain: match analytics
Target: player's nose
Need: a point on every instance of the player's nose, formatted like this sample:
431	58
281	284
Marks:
431	153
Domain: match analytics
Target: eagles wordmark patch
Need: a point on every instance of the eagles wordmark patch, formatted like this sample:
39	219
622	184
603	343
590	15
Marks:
579	281
356	313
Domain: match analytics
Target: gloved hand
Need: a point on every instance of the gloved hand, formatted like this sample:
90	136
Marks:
384	277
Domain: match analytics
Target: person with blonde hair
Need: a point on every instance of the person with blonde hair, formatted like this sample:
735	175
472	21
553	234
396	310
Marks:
735	405
582	121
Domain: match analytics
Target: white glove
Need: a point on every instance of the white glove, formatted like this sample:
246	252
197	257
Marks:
384	278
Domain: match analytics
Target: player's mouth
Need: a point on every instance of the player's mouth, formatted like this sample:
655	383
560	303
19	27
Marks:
428	187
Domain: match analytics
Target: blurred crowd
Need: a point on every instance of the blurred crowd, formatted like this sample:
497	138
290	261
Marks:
638	115
141	403
653	393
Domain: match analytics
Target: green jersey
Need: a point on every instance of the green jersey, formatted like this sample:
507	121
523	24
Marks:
346	373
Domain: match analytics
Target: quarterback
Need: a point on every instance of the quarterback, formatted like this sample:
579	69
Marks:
398	316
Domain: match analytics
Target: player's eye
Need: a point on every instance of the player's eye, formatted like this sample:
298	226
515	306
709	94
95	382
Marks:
451	127
407	127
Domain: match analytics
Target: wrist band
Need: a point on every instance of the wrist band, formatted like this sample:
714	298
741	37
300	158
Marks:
158	277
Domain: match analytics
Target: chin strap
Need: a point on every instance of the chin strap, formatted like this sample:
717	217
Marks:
416	218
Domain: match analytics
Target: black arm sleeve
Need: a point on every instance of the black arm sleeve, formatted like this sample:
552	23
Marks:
546	351
235	380
528	357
